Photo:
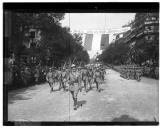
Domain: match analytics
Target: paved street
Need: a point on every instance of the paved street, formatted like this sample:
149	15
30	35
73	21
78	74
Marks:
119	100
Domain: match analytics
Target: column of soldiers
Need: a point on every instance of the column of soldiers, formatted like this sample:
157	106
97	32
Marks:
74	79
131	72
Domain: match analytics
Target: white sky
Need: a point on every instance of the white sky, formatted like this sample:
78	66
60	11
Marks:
87	21
94	21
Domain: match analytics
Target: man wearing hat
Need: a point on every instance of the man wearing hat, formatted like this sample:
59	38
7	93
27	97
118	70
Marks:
63	79
85	78
97	78
50	78
90	77
73	85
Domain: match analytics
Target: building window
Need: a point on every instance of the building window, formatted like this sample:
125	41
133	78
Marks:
147	19
149	37
150	27
153	18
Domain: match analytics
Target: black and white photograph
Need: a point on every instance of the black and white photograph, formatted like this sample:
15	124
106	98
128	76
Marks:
83	66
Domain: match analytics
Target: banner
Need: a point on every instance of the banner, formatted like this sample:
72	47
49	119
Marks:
88	41
104	41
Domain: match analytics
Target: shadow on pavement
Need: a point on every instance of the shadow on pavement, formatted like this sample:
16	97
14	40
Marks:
18	94
15	97
101	89
125	118
81	103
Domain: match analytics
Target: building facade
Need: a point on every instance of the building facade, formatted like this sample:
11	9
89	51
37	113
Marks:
144	30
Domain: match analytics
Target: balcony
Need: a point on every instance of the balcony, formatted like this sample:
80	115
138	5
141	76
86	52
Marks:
151	31
151	22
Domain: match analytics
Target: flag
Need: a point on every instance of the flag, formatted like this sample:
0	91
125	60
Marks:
104	41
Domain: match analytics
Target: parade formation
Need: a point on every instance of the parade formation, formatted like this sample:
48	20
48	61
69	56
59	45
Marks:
131	72
75	78
47	64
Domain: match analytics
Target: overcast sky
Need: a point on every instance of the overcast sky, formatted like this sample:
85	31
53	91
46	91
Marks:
86	21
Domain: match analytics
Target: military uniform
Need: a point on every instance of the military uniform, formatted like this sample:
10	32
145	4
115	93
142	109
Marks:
63	79
50	79
102	71
85	78
80	78
90	77
97	78
73	86
37	75
138	74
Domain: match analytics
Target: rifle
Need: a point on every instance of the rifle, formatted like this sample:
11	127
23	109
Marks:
74	60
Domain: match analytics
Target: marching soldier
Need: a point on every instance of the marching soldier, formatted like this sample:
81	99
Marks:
97	79
128	73
102	73
37	75
73	86
58	78
90	78
50	78
63	79
79	70
85	78
138	74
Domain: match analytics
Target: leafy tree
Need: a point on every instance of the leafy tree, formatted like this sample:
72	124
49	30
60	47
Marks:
115	54
56	45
